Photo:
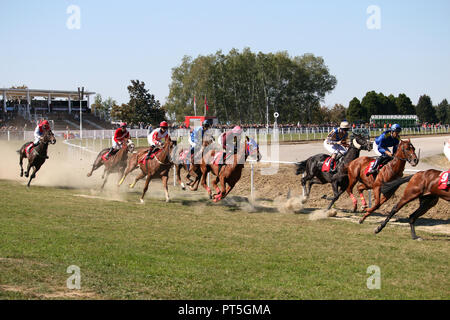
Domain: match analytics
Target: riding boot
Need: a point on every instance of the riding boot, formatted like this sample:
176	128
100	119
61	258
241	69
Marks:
109	153
374	169
149	153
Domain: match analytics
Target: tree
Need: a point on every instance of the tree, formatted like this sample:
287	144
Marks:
338	113
425	110
144	107
404	105
371	104
355	111
442	112
240	85
122	113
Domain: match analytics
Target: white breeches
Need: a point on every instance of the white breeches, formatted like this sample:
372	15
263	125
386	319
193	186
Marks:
375	149
334	148
115	145
36	139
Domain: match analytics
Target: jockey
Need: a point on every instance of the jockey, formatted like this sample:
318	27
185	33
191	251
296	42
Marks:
157	137
389	138
41	128
226	139
197	134
121	135
336	142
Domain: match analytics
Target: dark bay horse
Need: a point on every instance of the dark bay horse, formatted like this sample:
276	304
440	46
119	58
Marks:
227	174
157	167
37	156
391	171
423	186
339	180
115	163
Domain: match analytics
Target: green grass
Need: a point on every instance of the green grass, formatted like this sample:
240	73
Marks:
194	249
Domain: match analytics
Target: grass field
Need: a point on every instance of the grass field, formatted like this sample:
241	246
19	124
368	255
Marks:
194	249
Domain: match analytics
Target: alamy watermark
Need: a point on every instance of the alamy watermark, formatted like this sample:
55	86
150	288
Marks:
74	20
374	281
74	281
374	20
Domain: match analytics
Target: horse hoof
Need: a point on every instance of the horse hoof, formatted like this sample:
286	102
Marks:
361	221
89	174
376	230
418	239
167	200
142	201
21	174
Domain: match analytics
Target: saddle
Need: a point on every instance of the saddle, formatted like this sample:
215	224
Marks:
443	180
370	167
326	166
152	156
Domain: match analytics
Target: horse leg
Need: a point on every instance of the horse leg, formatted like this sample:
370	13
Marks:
361	187
104	180
379	200
27	172
403	201
426	203
121	174
178	174
216	187
223	191
21	164
337	194
139	177
97	164
166	189
351	185
147	181
32	176
204	185
194	185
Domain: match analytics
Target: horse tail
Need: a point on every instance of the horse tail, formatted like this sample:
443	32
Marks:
301	167
389	188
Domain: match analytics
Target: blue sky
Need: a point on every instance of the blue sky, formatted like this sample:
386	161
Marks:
123	40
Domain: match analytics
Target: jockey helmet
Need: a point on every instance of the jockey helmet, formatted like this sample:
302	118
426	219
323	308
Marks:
45	124
206	123
237	130
163	124
123	125
396	127
345	125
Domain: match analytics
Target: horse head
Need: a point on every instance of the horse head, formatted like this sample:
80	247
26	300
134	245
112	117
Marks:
406	151
129	146
360	142
48	137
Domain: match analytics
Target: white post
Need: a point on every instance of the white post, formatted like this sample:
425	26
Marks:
174	176
252	195
70	105
48	102
8	136
4	101
303	188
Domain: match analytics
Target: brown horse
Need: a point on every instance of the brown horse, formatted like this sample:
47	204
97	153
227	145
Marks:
159	167
422	185
391	171
133	162
229	173
115	163
37	156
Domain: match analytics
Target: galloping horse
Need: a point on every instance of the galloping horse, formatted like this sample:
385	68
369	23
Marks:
339	180
37	155
133	162
228	173
158	166
391	171
193	168
422	185
115	163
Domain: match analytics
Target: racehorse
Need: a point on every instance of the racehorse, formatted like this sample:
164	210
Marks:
115	163
158	166
193	168
391	171
37	155
229	173
133	162
422	185
339	180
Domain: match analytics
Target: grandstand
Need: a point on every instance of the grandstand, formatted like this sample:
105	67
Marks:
24	107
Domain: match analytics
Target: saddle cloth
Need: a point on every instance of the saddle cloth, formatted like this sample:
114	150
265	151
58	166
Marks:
327	165
29	148
443	180
218	158
369	167
153	155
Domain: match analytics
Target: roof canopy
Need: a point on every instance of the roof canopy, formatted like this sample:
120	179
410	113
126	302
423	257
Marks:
23	93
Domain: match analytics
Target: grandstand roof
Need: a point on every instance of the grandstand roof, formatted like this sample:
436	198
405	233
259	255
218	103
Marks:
42	93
